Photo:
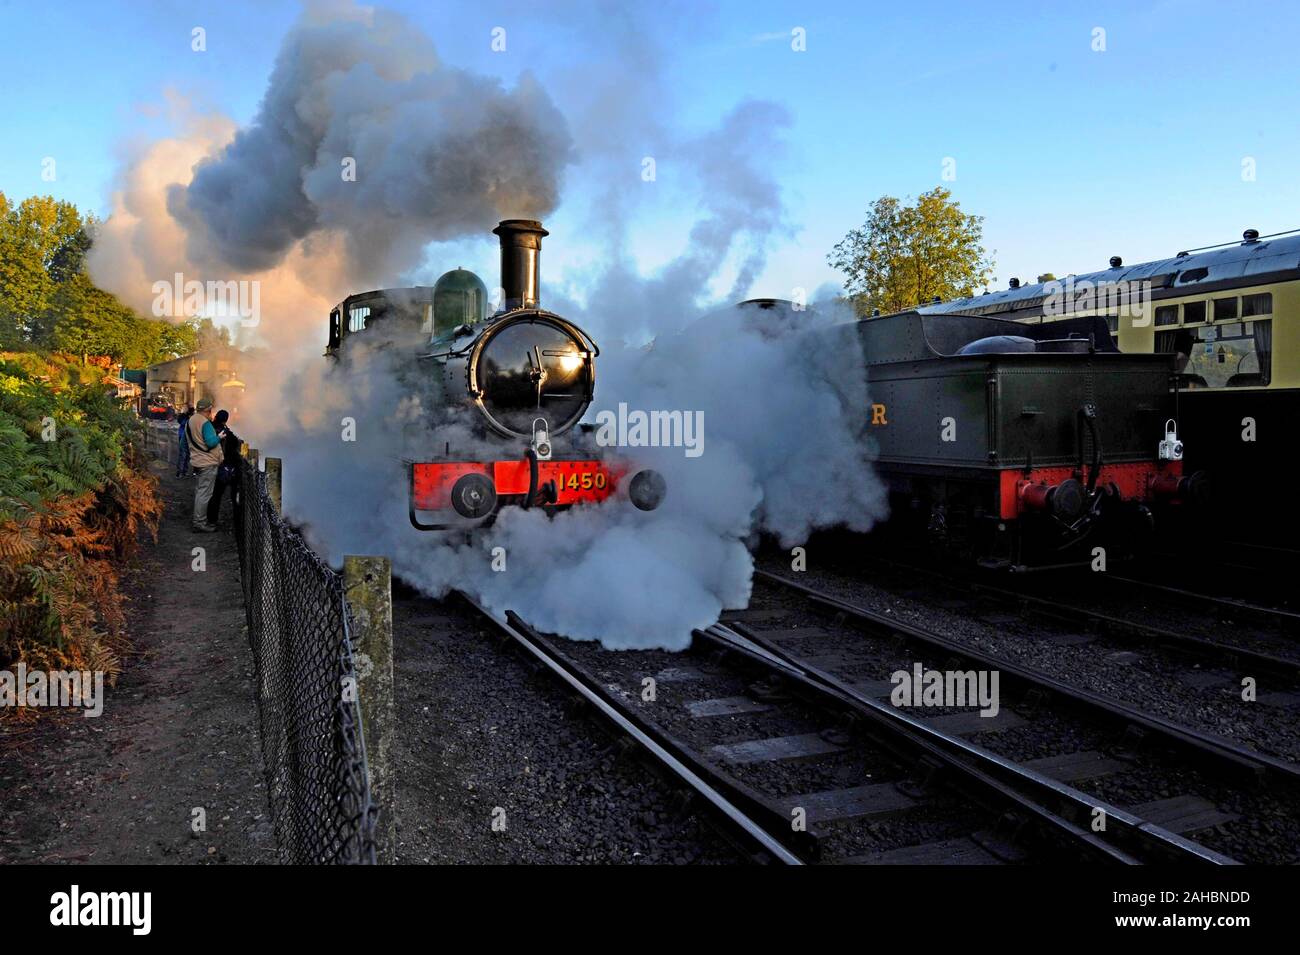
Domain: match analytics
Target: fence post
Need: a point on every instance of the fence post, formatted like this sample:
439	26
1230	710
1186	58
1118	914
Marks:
367	583
273	473
252	459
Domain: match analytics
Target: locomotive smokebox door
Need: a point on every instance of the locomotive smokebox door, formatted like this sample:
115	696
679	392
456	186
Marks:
527	365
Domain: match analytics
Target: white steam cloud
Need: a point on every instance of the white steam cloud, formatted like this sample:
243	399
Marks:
781	454
441	154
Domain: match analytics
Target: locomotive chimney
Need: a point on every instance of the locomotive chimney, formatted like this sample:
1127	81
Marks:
521	258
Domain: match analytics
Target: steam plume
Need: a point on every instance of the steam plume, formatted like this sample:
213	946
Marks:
441	154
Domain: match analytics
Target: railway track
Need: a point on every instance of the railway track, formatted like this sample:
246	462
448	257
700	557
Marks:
1285	621
1269	649
1088	738
801	766
1250	578
1279	615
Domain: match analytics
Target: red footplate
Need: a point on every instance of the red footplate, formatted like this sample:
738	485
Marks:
576	481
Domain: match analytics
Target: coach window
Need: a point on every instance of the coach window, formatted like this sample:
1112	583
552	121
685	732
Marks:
1180	343
1167	315
1259	304
1233	355
1225	309
1193	313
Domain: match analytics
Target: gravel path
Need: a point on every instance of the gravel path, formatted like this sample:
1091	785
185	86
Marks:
178	730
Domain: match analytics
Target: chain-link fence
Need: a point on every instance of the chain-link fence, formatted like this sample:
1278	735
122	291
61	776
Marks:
310	722
298	625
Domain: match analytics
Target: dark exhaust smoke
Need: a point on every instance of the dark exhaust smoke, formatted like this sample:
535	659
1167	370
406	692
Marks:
365	133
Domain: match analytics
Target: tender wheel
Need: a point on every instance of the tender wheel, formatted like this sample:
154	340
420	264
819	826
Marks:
474	496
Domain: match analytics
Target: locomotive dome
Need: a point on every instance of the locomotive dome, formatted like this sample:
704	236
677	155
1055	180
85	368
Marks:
459	298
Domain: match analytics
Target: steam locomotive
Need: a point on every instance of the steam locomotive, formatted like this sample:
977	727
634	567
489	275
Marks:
1226	313
525	375
1021	446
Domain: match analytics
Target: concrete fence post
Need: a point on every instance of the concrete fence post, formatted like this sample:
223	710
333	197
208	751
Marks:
367	584
252	458
273	474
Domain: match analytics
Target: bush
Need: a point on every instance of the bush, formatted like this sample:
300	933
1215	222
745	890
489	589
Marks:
72	504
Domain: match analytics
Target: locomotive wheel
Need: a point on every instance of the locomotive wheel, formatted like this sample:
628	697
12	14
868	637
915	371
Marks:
473	496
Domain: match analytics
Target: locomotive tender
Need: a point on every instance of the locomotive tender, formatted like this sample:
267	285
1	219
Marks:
527	376
1227	314
1021	444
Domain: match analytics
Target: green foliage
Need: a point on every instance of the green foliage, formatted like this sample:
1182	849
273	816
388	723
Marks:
43	242
903	256
59	434
71	507
47	301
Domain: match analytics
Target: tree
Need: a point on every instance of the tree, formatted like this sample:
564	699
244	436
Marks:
903	256
43	243
47	300
208	334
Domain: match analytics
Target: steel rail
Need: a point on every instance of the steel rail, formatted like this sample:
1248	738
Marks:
1174	639
1030	790
1059	610
1223	751
1272	615
724	799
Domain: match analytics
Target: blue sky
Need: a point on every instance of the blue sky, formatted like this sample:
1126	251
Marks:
1072	155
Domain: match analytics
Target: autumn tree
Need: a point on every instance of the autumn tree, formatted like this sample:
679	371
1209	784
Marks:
905	255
